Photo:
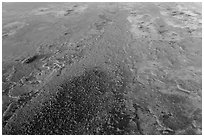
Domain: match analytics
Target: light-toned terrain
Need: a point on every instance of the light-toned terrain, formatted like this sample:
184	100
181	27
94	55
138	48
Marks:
102	68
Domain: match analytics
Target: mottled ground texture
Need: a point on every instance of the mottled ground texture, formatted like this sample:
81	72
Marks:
102	68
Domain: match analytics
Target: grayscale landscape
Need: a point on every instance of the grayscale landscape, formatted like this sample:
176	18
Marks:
101	68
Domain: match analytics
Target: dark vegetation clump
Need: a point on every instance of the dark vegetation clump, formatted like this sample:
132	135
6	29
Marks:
81	106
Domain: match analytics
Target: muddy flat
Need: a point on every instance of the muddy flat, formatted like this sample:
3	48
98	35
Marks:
101	68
